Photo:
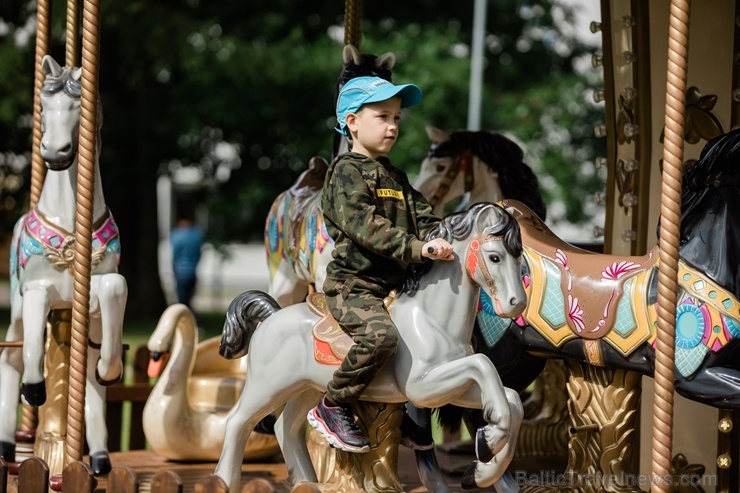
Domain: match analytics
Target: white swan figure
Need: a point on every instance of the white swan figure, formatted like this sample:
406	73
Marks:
185	414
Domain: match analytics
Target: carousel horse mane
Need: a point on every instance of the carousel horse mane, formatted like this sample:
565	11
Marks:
69	82
458	226
503	156
710	223
66	81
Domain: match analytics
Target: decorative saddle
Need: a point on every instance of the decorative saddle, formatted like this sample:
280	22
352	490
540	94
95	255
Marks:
574	293
331	343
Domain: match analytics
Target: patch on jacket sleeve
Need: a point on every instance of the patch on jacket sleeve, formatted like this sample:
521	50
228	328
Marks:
389	192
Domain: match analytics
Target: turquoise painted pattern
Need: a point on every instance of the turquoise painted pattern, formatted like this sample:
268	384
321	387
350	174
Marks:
553	304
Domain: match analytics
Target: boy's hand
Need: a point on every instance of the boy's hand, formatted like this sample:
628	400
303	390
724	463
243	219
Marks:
438	249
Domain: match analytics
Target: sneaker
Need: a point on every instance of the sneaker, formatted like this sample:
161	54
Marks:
414	436
337	424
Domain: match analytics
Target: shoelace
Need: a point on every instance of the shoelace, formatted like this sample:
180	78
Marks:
349	419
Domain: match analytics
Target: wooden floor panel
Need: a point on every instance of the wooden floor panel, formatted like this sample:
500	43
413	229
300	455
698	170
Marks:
146	464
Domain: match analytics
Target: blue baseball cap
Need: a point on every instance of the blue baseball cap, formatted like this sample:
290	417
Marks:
364	90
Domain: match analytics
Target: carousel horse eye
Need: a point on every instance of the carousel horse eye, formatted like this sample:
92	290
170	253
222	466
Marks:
494	258
440	168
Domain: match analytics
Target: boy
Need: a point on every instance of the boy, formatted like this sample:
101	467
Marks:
377	221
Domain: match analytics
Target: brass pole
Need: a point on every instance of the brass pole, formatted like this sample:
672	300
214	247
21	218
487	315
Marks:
38	170
353	22
72	45
83	230
670	210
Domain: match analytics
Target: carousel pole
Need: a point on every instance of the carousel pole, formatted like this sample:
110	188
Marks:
83	231
353	23
51	429
43	27
670	211
72	42
29	415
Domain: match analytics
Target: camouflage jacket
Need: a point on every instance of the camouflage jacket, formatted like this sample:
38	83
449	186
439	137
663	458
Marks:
376	219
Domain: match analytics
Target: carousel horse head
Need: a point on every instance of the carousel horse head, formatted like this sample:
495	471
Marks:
710	224
60	114
495	253
355	64
485	164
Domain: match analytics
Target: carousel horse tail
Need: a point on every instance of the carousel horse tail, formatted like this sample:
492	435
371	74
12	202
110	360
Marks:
245	312
450	417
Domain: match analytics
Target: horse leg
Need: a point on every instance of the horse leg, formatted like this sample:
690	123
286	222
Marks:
290	431
480	474
35	313
285	288
96	430
11	367
112	293
471	382
257	400
426	460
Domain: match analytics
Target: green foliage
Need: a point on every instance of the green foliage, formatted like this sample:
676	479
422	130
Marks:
184	81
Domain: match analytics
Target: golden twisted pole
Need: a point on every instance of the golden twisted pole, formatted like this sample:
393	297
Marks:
38	170
29	415
670	210
72	45
83	230
353	22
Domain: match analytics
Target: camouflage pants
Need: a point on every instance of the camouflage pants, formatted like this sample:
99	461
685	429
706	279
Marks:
360	313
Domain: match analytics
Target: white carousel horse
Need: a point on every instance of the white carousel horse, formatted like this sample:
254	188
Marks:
185	414
42	279
434	363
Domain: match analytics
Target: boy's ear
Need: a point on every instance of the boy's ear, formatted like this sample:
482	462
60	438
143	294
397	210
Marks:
351	120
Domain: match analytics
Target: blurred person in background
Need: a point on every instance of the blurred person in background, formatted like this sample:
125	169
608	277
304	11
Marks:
187	242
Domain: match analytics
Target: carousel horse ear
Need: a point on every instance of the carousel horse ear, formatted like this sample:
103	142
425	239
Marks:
437	135
50	67
386	60
77	74
351	54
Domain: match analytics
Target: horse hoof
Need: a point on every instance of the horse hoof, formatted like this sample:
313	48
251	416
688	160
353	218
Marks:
7	451
33	394
266	426
100	463
468	479
482	450
108	383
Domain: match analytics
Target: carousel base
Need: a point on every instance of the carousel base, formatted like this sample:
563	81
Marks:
145	464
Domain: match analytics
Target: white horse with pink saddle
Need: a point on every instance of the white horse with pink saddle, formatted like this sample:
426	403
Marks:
434	364
42	260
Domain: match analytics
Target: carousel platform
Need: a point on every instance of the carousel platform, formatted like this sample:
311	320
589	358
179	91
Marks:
146	464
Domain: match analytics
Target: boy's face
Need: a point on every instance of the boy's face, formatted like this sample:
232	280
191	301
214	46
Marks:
374	127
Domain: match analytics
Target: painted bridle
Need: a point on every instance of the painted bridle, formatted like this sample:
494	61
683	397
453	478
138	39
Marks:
463	163
474	261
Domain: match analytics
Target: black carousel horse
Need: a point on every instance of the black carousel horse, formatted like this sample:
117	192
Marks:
600	309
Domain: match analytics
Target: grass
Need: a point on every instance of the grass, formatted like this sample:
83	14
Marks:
135	334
